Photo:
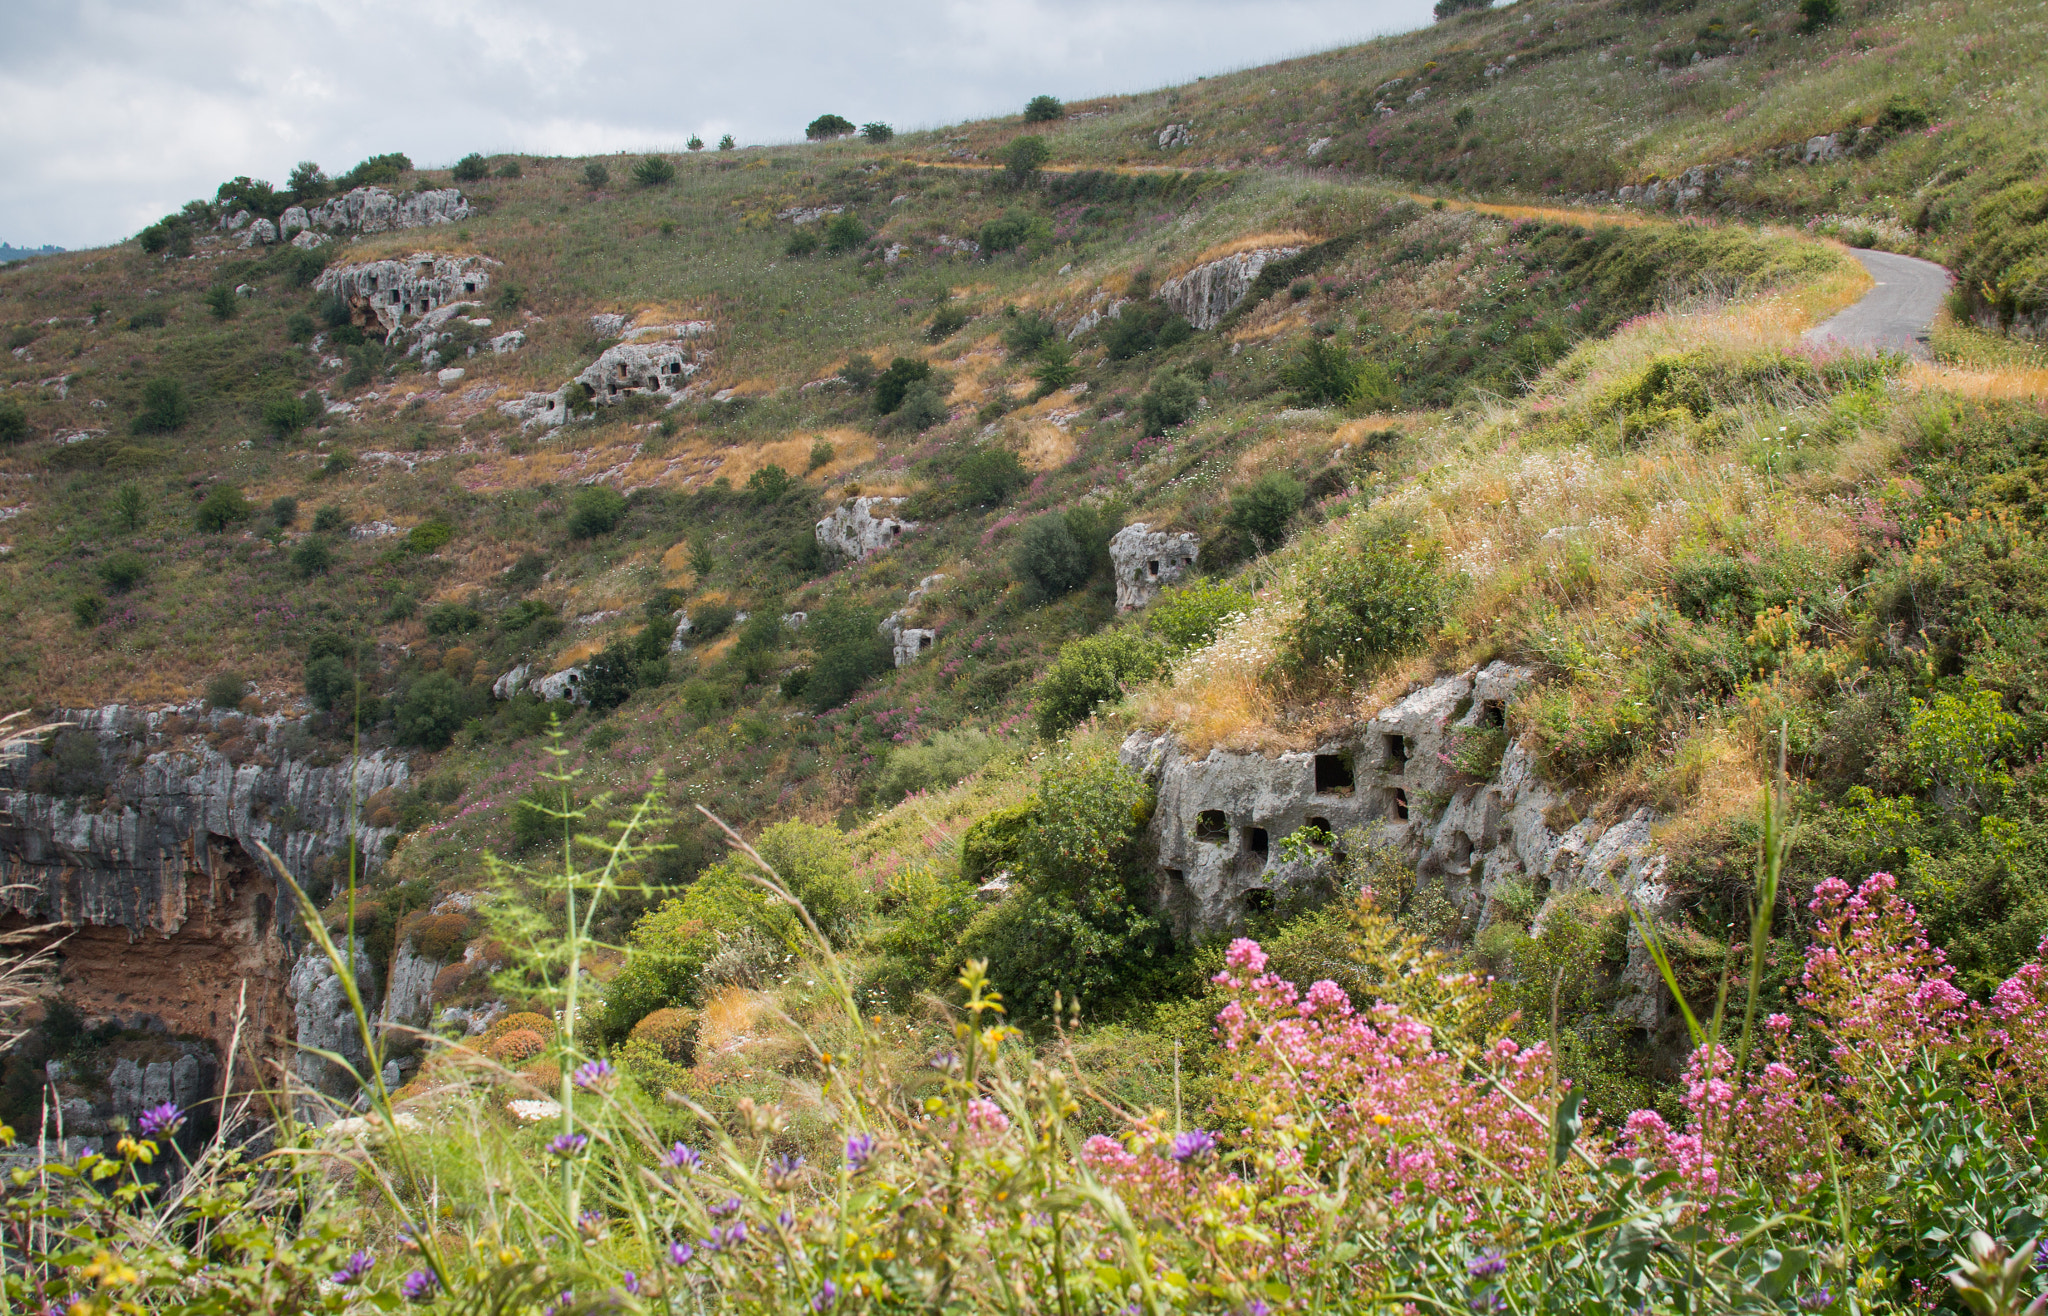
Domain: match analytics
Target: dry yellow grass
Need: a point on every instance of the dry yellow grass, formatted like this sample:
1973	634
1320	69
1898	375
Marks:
729	1017
2000	383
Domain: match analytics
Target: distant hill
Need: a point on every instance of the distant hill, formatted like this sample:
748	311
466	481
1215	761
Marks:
9	254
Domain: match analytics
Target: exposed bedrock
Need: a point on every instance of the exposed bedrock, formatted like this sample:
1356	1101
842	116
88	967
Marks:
385	296
1148	560
1221	818
1209	291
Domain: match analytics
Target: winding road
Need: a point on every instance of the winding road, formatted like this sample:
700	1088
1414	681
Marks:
1896	314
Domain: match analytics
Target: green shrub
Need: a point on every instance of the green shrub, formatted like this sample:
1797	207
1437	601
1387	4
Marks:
595	510
301	269
129	507
708	621
990	475
299	327
150	317
471	168
329	520
432	710
1093	671
934	765
13	422
654	171
1362	601
338	462
452	619
88	609
877	132
223	506
1192	615
312	557
843	233
285	415
892	384
922	407
429	536
695	143
284	510
1048	559
122	571
726	143
1055	369
950	320
1817	14
165	407
1024	157
611	675
1266	507
220	301
822	453
1171	400
995	842
826	127
329	682
226	689
385	168
1027	331
769	484
596	177
1044	109
802	242
1324	373
850	648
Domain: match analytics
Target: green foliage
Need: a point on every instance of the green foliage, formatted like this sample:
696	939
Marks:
1958	744
1048	559
1024	157
1817	14
378	169
220	301
165	407
1027	332
128	507
850	648
1044	109
822	453
995	842
2003	265
726	143
471	168
948	321
828	126
1014	229
429	536
13	422
613	674
329	682
802	241
922	406
1171	400
594	510
1055	368
329	520
284	509
1323	373
708	621
1093	671
989	476
307	180
150	317
1141	329
596	177
769	484
285	415
844	233
222	507
1193	614
445	619
654	171
1362	600
895	382
1266	507
936	764
88	609
122	571
225	690
1452	8
695	143
432	710
877	132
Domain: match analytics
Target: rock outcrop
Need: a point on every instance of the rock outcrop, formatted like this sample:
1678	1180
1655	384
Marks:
626	369
1148	560
859	528
383	295
374	210
1417	777
1211	290
327	1022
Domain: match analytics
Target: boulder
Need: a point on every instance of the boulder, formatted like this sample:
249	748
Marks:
1148	560
308	240
609	324
565	684
259	233
907	643
511	683
538	410
374	210
1820	150
293	220
1209	291
511	341
855	529
449	376
1176	135
236	222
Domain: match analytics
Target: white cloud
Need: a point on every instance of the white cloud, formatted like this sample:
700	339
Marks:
116	111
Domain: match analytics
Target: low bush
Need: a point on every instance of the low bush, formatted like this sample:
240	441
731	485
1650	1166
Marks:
329	520
284	509
1048	559
1362	600
654	171
1324	373
934	765
877	132
225	690
1044	109
429	536
221	302
222	507
892	384
1172	399
285	415
471	168
922	407
432	710
1191	615
13	422
150	317
596	177
595	510
510	169
1055	368
950	320
849	649
844	233
1023	158
445	619
1265	508
1093	671
88	609
708	621
165	407
990	475
802	242
122	571
822	453
828	126
128	507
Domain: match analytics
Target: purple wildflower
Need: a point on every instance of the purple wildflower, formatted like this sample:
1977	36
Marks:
858	1148
727	1207
353	1270
631	1283
682	1156
595	1076
1816	1299
1257	1307
1195	1142
420	1286
736	1233
591	1224
827	1294
681	1254
162	1121
787	1219
566	1145
1487	1264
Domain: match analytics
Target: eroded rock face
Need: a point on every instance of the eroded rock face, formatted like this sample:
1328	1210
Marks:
1208	292
384	295
1148	560
327	1022
374	210
859	528
1220	819
625	369
409	994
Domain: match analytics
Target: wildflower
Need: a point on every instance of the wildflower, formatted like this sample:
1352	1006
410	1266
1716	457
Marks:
1487	1264
682	1156
1257	1307
1816	1299
563	1301
596	1076
631	1283
420	1286
987	1116
784	1170
787	1219
727	1207
827	1294
680	1254
407	1238
858	1148
353	1270
1194	1143
162	1121
591	1225
736	1233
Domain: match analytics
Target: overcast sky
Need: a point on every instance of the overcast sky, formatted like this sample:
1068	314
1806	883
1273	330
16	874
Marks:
114	112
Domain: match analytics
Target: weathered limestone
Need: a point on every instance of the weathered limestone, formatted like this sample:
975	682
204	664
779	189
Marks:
308	240
1209	291
1176	135
259	233
909	643
510	341
374	210
538	410
327	1022
625	369
1148	560
383	295
856	529
565	684
293	220
511	683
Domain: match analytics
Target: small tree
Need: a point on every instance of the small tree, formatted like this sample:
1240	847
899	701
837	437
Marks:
822	453
1093	671
308	180
284	415
226	689
768	484
432	711
894	383
877	132
923	407
220	300
128	507
1055	369
1817	14
13	421
223	506
284	510
1048	559
329	520
88	609
122	571
726	143
471	168
992	475
312	557
1044	109
654	171
1024	158
828	126
1171	400
843	233
594	510
596	177
1265	508
695	143
165	407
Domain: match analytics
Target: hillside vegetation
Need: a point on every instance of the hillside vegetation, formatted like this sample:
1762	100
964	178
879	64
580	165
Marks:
856	991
